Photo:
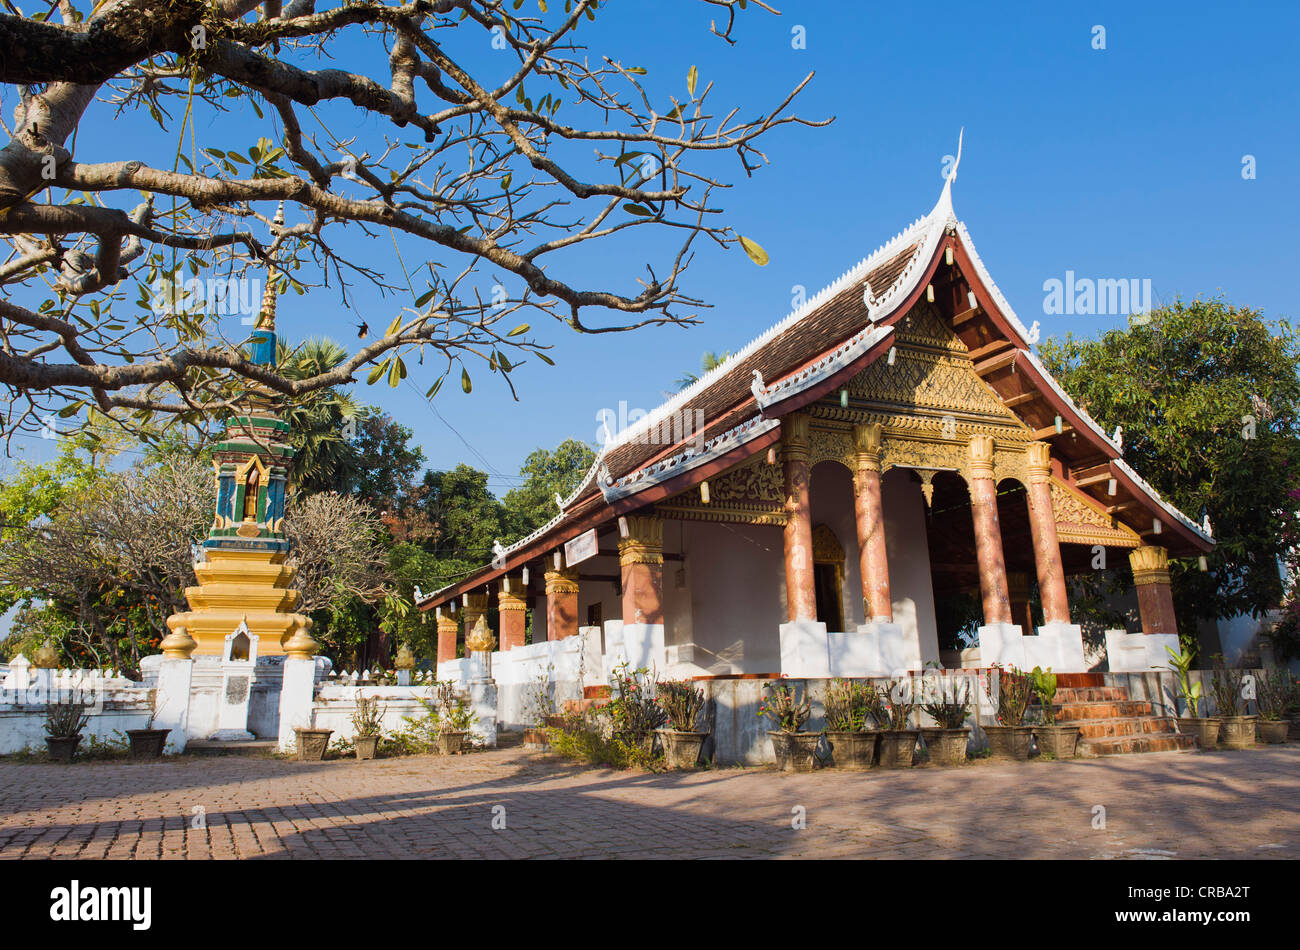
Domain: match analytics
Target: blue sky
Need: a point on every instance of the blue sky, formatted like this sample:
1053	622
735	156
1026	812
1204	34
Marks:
1119	163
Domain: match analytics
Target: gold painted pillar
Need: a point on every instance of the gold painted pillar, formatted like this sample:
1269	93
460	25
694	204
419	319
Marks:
988	532
1155	597
1047	546
641	563
561	603
512	607
873	561
475	606
800	593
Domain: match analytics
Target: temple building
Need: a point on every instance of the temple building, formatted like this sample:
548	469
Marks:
886	467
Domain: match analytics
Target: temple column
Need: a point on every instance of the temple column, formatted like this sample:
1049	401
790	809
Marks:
800	593
1155	597
872	559
512	607
1022	612
448	626
641	562
1042	525
988	532
561	603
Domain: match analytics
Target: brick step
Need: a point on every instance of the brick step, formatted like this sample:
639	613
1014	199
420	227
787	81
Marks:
1079	711
572	706
1120	745
1131	726
1092	694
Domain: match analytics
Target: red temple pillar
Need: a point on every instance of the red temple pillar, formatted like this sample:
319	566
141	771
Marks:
448	626
512	607
800	594
988	532
872	559
561	603
1155	597
1047	547
641	562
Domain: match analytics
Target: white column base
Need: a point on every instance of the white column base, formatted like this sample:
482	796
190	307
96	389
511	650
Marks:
297	691
1059	645
805	652
644	645
1139	652
878	648
171	705
1002	644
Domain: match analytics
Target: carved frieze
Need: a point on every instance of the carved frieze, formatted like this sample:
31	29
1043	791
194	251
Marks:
1077	522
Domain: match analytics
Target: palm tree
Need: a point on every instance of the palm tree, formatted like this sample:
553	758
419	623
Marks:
318	420
708	361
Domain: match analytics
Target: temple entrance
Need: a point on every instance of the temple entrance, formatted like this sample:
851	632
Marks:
828	577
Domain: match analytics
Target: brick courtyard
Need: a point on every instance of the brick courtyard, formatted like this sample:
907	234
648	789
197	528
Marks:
1219	805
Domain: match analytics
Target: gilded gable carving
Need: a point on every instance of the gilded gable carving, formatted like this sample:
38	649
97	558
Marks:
750	493
1077	522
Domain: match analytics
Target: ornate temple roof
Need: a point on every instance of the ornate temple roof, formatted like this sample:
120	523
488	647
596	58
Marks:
819	347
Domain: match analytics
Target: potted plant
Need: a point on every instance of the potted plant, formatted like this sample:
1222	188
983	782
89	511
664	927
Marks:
632	708
1236	729
312	743
1010	738
948	738
849	708
147	743
540	708
366	721
1272	695
452	717
795	751
1205	728
1055	739
63	725
683	703
897	741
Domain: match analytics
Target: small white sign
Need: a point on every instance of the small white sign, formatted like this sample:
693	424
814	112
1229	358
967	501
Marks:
580	548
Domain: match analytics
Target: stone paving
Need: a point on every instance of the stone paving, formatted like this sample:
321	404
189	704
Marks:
1188	805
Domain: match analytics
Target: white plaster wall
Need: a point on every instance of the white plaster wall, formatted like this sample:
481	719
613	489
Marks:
23	727
736	579
908	551
831	499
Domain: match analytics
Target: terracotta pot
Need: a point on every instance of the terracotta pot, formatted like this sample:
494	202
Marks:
1009	742
947	746
1272	731
312	744
147	743
795	751
62	748
536	740
682	749
1237	732
1206	729
366	746
1056	740
897	747
855	751
450	743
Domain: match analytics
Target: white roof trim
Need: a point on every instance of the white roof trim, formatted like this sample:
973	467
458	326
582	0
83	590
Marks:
1087	419
829	365
689	459
1155	496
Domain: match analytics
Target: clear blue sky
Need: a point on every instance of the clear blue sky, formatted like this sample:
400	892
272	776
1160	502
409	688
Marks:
1123	162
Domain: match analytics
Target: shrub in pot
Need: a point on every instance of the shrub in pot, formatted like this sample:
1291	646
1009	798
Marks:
948	738
683	703
366	720
1055	739
1236	729
632	708
849	709
788	710
540	708
1272	693
452	718
312	743
897	741
63	725
1205	728
1010	737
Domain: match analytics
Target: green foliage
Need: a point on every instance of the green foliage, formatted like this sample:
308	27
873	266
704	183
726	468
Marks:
848	705
1044	685
632	707
1181	663
1285	635
785	706
1225	686
1208	395
65	720
682	702
709	361
582	737
1276	694
951	712
368	717
546	474
898	704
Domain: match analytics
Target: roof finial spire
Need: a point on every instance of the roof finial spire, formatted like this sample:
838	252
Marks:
943	207
952	174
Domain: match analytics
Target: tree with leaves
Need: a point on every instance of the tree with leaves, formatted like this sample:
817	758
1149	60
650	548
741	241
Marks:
229	164
1207	395
546	473
709	361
